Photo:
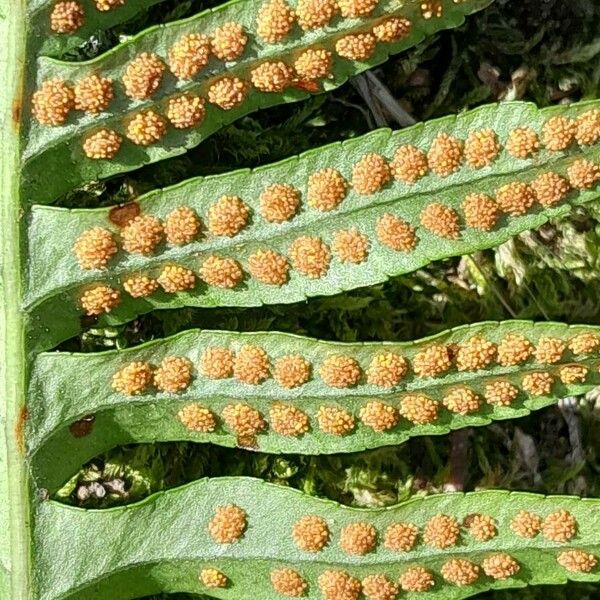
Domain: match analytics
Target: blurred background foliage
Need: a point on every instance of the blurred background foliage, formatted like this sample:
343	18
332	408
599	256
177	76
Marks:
544	51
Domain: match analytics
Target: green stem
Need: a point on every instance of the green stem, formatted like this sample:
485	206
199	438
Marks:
16	553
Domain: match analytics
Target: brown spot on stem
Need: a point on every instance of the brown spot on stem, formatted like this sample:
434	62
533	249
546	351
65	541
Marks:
20	429
16	111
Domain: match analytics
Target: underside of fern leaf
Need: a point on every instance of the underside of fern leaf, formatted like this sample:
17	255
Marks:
287	394
333	219
220	537
169	88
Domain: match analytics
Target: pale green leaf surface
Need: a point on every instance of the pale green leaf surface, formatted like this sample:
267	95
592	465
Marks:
66	387
4	580
55	279
59	149
162	543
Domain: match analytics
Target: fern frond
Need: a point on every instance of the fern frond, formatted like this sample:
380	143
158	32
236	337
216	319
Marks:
333	219
242	538
281	393
170	87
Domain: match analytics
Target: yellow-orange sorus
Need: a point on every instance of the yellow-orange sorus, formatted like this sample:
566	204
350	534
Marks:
311	256
400	537
313	14
358	538
526	524
279	202
229	41
288	420
67	17
481	148
416	579
288	582
274	21
182	225
379	416
243	420
558	133
140	286
143	76
146	128
52	103
251	365
102	145
133	378
221	272
185	111
395	233
291	371
99	299
94	248
335	420
216	362
311	533
173	375
370	174
228	216
142	234
212	578
228	92
93	94
445	154
228	524
356	47
441	531
175	278
392	29
442	220
188	55
339	585
197	418
577	561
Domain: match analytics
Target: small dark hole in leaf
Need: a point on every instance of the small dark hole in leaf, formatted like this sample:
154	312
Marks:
468	520
82	427
452	351
87	321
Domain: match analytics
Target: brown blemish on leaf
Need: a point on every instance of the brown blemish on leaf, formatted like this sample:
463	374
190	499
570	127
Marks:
17	107
83	427
122	214
248	442
307	86
20	429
